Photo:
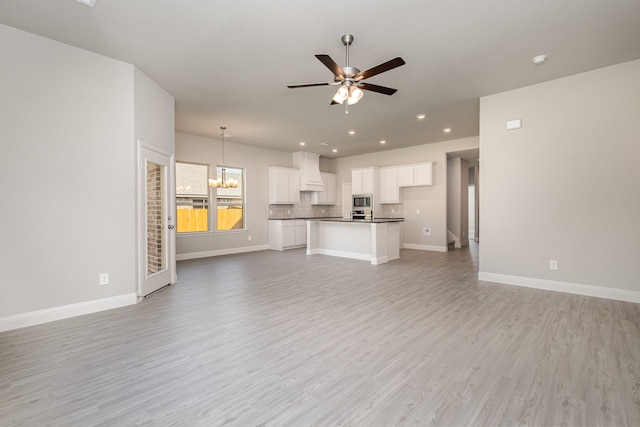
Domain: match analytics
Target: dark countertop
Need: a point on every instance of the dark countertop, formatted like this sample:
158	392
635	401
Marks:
358	221
306	218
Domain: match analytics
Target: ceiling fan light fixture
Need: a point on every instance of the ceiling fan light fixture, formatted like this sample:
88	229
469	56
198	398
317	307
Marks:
341	94
355	95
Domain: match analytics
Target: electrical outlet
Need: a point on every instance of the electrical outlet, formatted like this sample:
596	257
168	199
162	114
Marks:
393	211
249	238
322	210
104	278
426	231
418	211
553	264
288	211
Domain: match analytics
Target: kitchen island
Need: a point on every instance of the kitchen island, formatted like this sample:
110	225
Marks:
377	241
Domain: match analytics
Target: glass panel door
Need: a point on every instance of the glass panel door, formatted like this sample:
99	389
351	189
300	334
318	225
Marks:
156	222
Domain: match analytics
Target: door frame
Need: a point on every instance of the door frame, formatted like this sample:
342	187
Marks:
144	151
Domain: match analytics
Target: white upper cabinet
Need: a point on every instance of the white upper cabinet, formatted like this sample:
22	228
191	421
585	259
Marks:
363	181
389	191
284	186
423	174
328	195
415	175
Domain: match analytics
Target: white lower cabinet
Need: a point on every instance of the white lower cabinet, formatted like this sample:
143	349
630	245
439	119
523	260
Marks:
287	233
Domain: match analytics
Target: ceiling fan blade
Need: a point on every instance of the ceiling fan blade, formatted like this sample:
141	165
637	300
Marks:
376	88
308	85
331	65
389	65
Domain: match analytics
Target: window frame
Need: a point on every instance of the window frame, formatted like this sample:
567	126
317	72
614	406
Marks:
214	212
206	205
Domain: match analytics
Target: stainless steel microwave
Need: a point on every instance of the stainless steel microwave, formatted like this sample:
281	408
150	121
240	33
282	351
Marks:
361	201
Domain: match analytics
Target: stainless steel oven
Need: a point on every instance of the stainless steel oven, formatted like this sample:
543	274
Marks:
363	214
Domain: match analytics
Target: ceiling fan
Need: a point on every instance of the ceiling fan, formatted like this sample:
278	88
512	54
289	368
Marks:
350	79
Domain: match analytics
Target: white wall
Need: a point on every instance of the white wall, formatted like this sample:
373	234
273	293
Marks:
431	201
154	114
67	129
256	161
566	186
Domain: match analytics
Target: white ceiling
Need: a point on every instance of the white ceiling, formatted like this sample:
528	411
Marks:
228	62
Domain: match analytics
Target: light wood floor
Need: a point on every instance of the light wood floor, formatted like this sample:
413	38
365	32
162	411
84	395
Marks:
284	339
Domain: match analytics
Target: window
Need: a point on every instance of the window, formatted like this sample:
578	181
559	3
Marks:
230	201
192	197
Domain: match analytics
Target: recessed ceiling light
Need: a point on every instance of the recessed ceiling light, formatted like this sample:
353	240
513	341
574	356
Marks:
539	59
446	130
89	3
335	150
382	141
421	116
301	142
352	132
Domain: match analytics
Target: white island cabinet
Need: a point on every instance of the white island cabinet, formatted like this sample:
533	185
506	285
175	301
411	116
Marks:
376	241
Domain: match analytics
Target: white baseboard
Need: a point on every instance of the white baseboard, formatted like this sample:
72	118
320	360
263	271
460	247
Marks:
380	260
217	252
340	254
64	312
425	247
566	287
462	243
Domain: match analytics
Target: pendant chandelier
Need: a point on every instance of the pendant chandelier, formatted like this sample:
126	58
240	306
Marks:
223	182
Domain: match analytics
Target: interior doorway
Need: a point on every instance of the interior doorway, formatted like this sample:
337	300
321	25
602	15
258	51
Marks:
462	197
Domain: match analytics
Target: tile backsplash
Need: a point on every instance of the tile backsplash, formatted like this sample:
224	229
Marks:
395	210
305	209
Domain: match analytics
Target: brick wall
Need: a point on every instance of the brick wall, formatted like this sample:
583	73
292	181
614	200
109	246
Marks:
155	257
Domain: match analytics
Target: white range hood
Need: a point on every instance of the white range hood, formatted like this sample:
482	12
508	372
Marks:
309	165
